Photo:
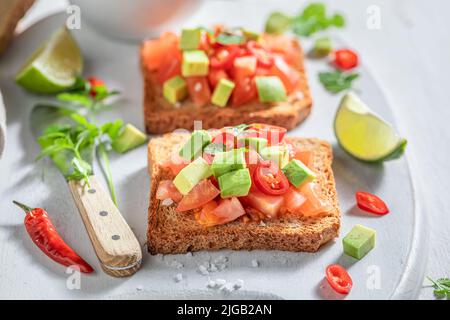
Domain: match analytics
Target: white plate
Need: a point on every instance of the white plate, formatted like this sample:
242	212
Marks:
392	270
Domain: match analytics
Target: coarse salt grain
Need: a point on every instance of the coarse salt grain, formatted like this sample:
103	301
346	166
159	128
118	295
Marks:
167	202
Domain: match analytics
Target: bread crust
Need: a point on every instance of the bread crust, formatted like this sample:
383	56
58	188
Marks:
174	232
162	117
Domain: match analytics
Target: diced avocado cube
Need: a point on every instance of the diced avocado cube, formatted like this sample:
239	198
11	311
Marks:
270	89
175	89
251	35
130	138
297	173
228	161
277	154
190	39
193	148
191	175
277	23
222	92
253	143
323	46
359	241
235	183
195	63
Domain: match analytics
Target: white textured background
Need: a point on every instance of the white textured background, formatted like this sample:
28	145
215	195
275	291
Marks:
410	56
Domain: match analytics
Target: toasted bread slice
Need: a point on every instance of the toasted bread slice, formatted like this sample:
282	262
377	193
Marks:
170	231
161	116
11	11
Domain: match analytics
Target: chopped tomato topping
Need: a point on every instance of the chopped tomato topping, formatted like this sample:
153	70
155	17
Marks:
339	279
268	205
316	202
244	66
345	59
223	57
215	75
167	190
288	75
169	68
273	134
293	200
175	163
226	138
304	156
371	203
283	44
264	57
224	211
199	91
154	51
269	179
244	91
202	193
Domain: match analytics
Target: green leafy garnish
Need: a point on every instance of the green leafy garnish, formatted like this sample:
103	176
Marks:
229	38
337	81
441	287
312	19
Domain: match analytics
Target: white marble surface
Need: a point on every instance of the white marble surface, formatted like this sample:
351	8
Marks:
409	57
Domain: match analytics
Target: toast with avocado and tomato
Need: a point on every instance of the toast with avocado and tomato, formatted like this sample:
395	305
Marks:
223	77
240	188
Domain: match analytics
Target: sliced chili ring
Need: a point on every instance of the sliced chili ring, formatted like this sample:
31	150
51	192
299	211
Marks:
269	179
371	203
265	58
339	279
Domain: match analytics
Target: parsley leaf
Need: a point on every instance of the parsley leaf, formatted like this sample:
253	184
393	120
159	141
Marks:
441	287
337	81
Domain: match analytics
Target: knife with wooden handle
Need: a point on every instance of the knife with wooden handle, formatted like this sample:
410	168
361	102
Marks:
115	244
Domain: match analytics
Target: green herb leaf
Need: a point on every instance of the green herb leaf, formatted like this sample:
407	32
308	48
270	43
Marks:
441	287
82	170
103	159
214	148
80	98
337	81
228	39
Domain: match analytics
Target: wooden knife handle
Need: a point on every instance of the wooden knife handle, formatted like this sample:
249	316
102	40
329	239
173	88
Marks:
115	244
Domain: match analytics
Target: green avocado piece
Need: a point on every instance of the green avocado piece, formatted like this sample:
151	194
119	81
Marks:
130	138
193	148
235	183
359	241
191	175
251	35
323	46
253	143
277	154
228	161
297	173
222	92
175	89
195	63
270	89
277	23
190	39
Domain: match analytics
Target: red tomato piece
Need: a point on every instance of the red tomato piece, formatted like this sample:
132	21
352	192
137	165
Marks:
175	163
202	193
371	203
269	179
223	57
155	51
167	190
264	57
244	91
345	59
316	202
252	159
284	45
273	134
226	138
244	66
169	68
215	75
293	200
199	90
288	75
304	156
339	279
226	210
268	205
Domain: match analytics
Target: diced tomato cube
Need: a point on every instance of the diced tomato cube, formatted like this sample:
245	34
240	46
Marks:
155	51
215	75
202	193
293	200
288	75
244	66
167	190
269	205
244	91
199	90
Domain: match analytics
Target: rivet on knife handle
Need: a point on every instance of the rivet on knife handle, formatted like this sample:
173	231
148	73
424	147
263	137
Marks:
115	244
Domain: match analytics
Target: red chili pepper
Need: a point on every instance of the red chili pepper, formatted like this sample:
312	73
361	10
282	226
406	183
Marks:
339	279
44	235
270	179
345	59
371	203
95	82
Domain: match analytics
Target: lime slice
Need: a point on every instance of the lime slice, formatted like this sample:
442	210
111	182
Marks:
54	66
365	135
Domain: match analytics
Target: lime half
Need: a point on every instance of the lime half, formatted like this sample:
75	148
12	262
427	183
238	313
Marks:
54	66
365	135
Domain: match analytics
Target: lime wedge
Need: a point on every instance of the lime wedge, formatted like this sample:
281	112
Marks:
365	135
54	66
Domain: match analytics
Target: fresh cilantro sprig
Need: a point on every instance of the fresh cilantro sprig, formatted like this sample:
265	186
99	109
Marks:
441	287
337	81
312	19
